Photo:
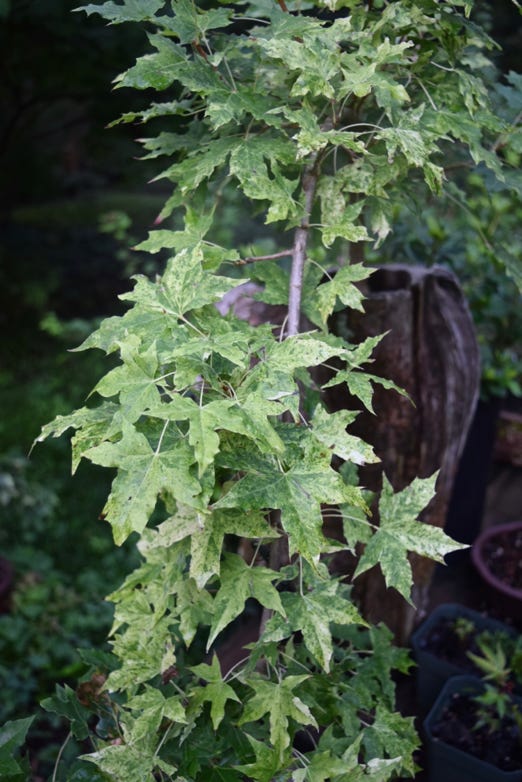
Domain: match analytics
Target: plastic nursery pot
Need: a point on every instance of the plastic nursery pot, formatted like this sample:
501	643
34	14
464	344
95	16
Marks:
497	556
433	671
446	763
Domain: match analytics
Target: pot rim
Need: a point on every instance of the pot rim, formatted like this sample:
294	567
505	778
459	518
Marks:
479	563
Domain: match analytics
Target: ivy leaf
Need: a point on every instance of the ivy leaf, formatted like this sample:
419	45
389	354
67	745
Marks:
399	533
12	736
238	583
65	703
278	700
216	691
143	472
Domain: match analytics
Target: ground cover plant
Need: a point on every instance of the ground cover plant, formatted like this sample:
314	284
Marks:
319	116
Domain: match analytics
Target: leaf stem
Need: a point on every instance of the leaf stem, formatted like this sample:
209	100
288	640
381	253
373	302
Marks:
270	257
59	756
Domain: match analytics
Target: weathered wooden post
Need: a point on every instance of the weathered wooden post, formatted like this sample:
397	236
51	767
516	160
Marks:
430	350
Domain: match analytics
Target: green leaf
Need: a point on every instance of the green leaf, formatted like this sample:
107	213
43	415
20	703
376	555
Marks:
12	736
399	533
92	424
278	700
267	763
339	218
360	384
391	736
155	71
134	381
143	472
216	691
323	766
330	429
65	703
238	583
128	11
297	491
183	287
190	23
341	287
150	707
125	762
311	614
247	163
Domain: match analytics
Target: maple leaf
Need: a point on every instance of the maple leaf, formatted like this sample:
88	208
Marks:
238	583
267	763
324	766
278	700
134	381
207	531
360	384
330	429
312	614
399	533
143	472
183	287
216	691
297	487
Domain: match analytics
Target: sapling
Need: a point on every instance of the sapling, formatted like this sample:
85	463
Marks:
320	115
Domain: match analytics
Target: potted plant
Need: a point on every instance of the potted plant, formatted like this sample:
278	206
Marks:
449	643
474	730
497	556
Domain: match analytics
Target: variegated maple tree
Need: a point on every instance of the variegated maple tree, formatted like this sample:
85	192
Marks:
320	115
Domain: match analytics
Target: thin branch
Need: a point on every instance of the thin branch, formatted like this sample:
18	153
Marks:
271	257
310	177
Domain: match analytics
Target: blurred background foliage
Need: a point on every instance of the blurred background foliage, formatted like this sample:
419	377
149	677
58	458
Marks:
72	204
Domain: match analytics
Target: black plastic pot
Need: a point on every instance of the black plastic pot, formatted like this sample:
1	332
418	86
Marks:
432	671
449	764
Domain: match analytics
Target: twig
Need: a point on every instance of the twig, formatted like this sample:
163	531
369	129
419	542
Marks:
310	177
271	257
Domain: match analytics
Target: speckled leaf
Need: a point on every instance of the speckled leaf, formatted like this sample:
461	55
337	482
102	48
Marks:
399	533
238	583
278	700
143	472
216	691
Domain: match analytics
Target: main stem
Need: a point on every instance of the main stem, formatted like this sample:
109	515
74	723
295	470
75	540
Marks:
299	250
279	548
